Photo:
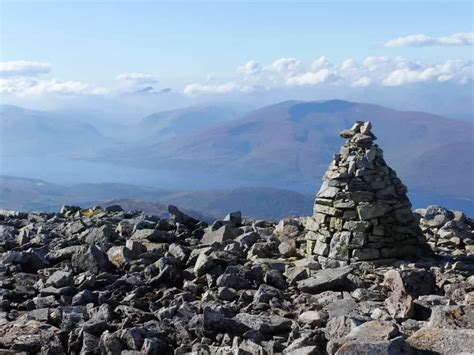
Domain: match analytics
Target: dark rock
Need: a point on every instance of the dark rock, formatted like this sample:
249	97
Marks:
89	259
371	337
328	279
114	208
224	233
415	282
234	218
180	217
101	236
266	293
264	324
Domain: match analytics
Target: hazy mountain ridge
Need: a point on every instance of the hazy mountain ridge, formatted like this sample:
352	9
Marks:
286	145
293	142
169	124
38	133
257	202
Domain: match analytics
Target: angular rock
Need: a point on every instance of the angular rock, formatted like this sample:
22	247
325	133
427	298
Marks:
313	318
415	282
89	259
328	279
119	255
442	341
224	233
264	324
375	337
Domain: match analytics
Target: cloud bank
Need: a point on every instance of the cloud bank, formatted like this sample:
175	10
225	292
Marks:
138	78
371	71
23	68
230	87
420	40
26	78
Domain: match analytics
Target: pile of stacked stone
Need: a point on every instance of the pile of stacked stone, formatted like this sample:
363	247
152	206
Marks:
448	233
361	211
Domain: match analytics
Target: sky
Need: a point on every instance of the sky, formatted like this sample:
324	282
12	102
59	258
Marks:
64	49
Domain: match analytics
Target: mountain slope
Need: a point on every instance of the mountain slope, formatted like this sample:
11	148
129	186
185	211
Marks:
36	133
164	125
291	144
257	202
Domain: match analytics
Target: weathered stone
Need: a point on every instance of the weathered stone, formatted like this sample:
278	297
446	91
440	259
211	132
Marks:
400	305
235	218
321	248
374	337
340	326
415	282
60	279
313	318
264	324
226	232
89	259
101	236
328	279
373	210
442	341
365	254
119	255
358	240
344	204
266	293
357	226
336	223
287	249
295	274
30	336
339	246
181	217
454	317
331	211
328	192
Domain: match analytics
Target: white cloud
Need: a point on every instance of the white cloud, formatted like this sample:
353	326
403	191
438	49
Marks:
138	78
23	68
311	78
250	68
349	64
32	87
371	71
374	63
421	40
459	71
22	78
284	65
197	89
362	82
321	63
406	76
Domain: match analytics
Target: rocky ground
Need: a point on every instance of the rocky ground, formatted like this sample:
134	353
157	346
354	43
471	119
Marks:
114	282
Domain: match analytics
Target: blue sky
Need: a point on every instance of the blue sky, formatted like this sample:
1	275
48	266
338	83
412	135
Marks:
189	43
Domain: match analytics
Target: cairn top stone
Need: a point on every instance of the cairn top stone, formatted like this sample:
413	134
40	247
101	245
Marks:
360	189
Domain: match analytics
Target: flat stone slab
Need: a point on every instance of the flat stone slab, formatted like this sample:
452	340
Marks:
264	324
328	280
444	341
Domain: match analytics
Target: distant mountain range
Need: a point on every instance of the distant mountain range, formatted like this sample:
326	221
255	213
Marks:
287	145
32	195
38	133
291	144
165	125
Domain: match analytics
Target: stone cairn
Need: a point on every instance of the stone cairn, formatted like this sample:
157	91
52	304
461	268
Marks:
361	211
